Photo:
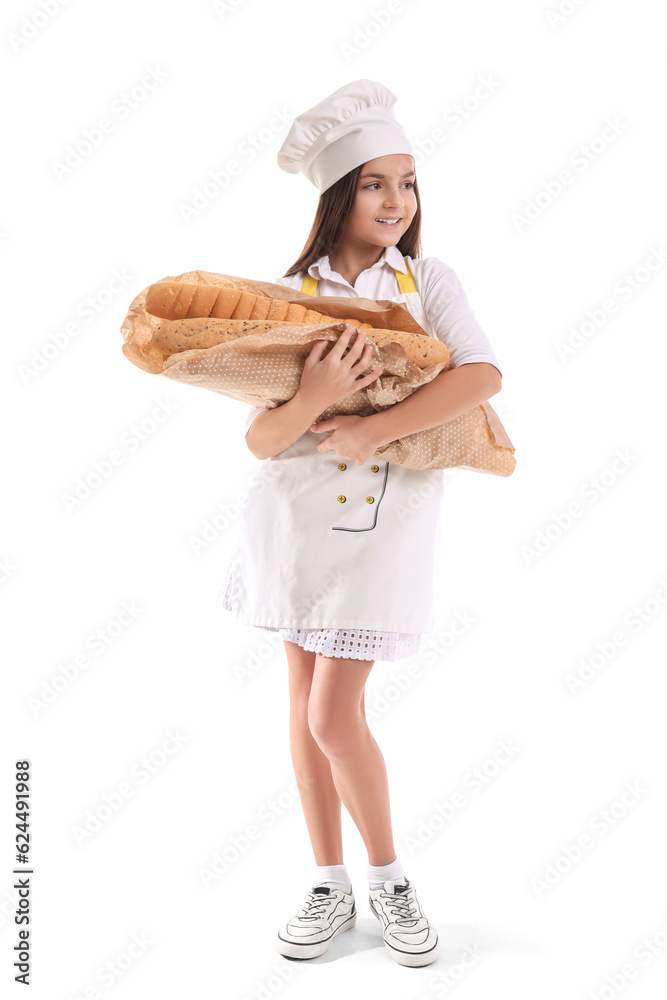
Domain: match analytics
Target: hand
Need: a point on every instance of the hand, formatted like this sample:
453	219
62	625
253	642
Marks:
330	377
353	437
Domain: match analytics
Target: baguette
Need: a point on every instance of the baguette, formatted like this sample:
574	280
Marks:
173	300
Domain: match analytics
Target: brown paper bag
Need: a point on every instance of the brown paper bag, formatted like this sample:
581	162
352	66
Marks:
262	364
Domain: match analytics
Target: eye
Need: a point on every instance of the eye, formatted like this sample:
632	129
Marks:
377	184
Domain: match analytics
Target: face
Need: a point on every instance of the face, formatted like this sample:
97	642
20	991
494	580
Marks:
391	196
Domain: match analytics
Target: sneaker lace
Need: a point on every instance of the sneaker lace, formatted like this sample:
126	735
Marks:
313	907
403	906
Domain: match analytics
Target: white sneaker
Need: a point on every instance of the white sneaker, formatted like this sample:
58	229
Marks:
408	936
328	911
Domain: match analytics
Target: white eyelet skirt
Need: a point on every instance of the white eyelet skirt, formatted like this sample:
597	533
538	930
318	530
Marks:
353	644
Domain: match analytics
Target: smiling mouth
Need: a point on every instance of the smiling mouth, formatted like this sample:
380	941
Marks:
389	222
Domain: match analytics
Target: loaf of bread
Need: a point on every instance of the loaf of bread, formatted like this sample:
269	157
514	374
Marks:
172	300
205	329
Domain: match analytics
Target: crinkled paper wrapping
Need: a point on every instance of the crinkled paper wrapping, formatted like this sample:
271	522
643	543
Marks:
262	366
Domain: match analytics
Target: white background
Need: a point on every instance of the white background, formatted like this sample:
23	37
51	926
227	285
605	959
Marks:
515	916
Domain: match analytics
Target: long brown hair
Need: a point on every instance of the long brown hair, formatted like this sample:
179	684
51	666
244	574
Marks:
333	209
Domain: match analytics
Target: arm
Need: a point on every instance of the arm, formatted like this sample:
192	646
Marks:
331	372
444	398
276	429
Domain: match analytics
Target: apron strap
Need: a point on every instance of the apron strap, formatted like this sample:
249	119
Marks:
309	285
406	282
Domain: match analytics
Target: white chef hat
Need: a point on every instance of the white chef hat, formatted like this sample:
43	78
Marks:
349	127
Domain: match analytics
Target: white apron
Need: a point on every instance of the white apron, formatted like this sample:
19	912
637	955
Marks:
326	543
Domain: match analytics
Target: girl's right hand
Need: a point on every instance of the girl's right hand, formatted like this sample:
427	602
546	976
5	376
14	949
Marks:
331	377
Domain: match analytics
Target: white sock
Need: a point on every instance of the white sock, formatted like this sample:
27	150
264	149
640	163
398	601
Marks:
333	873
379	874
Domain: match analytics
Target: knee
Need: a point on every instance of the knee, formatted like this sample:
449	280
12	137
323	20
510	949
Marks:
333	732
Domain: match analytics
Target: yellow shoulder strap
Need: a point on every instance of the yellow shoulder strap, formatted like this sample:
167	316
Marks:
309	285
406	282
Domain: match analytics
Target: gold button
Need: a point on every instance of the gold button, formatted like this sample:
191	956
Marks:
341	499
342	466
370	499
375	468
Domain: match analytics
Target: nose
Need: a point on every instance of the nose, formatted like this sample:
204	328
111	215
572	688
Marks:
394	198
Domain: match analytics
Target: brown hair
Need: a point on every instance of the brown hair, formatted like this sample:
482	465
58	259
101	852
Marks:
333	209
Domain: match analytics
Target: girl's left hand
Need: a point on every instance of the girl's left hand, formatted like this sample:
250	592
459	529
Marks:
352	436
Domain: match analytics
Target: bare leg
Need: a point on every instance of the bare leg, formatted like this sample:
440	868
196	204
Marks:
337	721
319	799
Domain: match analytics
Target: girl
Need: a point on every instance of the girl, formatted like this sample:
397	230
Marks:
333	556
